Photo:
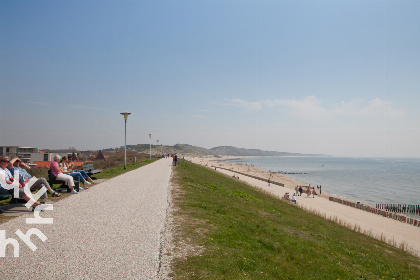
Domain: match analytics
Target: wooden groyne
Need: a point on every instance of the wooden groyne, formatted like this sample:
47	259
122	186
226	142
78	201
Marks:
377	210
252	176
400	208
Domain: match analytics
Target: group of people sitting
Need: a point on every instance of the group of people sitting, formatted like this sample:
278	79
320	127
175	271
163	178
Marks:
61	168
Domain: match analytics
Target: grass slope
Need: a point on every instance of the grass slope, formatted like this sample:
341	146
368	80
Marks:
242	233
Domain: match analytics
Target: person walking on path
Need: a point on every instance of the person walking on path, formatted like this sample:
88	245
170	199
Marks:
268	181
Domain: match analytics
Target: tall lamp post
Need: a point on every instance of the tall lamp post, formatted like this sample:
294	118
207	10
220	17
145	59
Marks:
157	147
125	114
150	136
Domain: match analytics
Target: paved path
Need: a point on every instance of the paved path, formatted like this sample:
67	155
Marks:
114	230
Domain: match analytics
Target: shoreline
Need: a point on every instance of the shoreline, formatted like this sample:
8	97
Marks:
391	231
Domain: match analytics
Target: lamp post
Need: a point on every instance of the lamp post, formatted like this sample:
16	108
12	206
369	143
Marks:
125	114
150	136
157	147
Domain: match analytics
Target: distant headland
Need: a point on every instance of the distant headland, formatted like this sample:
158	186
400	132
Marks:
190	150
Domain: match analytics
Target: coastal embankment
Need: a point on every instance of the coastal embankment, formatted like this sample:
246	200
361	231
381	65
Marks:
382	227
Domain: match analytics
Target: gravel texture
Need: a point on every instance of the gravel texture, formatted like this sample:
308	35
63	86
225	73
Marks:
114	230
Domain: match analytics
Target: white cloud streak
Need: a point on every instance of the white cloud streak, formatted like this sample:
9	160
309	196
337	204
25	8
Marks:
311	108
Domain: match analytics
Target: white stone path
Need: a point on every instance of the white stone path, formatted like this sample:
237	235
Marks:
114	230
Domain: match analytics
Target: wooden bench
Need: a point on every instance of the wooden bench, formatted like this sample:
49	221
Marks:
53	180
88	168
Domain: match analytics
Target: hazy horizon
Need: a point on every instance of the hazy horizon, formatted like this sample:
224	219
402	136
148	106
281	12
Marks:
338	78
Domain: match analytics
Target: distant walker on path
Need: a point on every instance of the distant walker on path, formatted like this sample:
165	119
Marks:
175	159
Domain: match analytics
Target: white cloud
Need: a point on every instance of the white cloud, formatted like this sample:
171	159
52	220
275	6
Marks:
311	108
378	107
243	104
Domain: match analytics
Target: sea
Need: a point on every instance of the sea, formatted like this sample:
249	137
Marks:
368	180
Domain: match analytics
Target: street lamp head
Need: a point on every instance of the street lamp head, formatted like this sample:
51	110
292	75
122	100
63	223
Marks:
150	135
125	114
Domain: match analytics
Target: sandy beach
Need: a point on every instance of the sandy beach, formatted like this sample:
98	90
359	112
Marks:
391	231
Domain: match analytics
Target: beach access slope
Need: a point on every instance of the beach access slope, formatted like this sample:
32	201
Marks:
114	230
391	231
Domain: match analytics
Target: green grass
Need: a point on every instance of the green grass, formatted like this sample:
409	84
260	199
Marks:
241	233
107	174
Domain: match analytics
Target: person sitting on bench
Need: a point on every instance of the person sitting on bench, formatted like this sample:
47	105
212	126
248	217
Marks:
7	178
76	175
58	173
70	166
24	177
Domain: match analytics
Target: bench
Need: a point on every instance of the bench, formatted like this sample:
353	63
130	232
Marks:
4	194
53	180
88	168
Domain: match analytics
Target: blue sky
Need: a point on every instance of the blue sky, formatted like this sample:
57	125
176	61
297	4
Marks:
325	77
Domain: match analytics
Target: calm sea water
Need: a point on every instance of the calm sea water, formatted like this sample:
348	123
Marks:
368	180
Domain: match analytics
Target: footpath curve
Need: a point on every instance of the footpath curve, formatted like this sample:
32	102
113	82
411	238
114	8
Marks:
114	230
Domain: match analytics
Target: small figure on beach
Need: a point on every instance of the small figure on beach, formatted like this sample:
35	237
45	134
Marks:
300	190
320	189
268	181
294	198
308	192
313	193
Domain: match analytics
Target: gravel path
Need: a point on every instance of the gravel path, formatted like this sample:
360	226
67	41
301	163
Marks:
114	230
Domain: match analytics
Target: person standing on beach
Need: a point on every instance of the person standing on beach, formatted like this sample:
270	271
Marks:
313	193
268	181
320	189
300	190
